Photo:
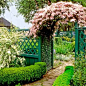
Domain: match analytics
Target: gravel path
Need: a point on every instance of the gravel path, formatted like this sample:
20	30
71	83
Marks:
51	75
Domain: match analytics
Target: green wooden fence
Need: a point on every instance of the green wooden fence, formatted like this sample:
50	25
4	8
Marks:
80	41
32	49
37	50
69	34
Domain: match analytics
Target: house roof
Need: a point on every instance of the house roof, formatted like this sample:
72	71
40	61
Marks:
4	22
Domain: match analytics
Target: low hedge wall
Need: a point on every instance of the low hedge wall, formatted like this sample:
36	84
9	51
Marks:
65	78
10	76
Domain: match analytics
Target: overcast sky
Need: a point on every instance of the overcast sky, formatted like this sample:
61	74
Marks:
16	19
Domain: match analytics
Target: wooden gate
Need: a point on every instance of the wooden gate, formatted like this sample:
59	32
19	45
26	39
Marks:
80	41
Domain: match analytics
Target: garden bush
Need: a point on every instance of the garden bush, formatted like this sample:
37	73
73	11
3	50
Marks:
10	76
65	78
79	77
65	38
43	67
64	47
9	48
58	40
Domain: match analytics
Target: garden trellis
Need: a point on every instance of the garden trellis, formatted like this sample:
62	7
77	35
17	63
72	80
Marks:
80	41
69	34
36	50
46	21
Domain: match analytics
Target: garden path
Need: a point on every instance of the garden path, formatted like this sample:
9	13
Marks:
50	76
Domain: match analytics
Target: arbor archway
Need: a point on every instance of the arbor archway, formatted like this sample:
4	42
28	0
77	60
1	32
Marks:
57	13
47	20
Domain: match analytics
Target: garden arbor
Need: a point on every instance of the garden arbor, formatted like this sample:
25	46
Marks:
47	20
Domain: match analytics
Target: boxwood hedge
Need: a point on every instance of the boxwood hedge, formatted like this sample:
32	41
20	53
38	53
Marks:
10	76
65	78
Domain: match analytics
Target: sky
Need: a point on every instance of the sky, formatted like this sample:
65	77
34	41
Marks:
15	18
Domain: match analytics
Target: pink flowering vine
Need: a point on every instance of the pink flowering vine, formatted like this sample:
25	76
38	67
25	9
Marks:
62	12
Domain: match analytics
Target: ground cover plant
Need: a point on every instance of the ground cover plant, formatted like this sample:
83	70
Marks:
12	76
9	48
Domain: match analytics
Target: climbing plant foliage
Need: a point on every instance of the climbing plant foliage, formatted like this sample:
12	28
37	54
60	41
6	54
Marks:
46	20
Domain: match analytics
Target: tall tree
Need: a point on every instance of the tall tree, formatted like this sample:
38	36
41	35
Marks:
4	4
29	7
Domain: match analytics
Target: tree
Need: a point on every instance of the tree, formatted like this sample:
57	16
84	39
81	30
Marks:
48	19
4	4
29	7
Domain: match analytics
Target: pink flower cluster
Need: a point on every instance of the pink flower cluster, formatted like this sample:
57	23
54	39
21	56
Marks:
66	11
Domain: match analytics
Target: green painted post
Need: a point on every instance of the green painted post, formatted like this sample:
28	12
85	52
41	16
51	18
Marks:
52	52
76	40
71	34
39	50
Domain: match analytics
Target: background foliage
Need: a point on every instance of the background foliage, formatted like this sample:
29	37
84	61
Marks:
4	4
28	7
63	47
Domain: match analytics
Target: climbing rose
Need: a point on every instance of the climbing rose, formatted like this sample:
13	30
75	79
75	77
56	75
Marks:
66	11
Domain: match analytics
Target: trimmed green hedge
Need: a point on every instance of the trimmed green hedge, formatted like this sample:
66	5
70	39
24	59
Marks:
14	75
65	78
43	67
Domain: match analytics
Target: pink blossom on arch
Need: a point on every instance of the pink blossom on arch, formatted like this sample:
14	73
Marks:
40	23
72	20
51	17
67	11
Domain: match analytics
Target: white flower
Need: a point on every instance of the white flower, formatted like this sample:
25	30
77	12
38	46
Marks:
8	52
13	46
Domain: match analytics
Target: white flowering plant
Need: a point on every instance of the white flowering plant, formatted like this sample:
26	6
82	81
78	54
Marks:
9	49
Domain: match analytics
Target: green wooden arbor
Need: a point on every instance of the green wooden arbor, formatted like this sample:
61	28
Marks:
37	50
41	49
80	41
64	33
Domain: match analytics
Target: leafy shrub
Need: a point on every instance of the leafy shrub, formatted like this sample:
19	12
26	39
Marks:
43	67
18	62
18	84
8	46
65	38
79	77
65	47
58	40
64	79
72	39
10	76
